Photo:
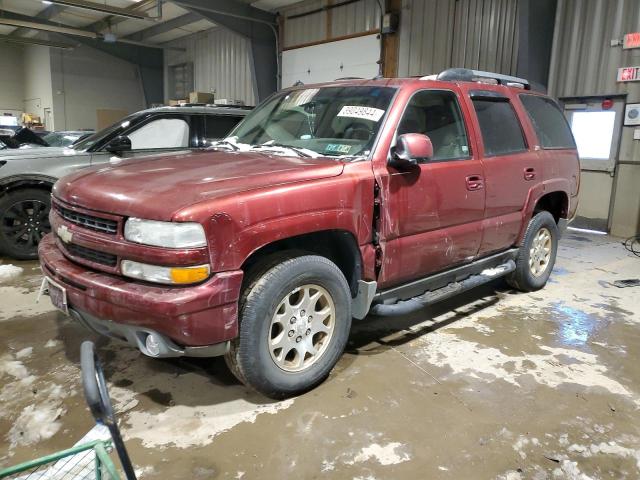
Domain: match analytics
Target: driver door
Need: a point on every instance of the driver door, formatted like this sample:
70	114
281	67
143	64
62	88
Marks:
431	215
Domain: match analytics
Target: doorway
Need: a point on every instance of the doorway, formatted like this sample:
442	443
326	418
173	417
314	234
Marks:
596	123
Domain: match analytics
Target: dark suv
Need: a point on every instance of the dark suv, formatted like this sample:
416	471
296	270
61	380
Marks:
326	202
26	176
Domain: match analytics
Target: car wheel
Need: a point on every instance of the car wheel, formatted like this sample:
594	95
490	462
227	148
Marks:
295	319
24	220
537	254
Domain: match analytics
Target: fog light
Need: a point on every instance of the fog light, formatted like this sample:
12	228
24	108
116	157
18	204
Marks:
152	345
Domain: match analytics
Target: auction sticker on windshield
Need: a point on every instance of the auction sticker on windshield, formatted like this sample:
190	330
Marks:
367	113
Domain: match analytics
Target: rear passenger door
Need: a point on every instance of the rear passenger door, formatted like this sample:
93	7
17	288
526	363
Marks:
510	168
217	127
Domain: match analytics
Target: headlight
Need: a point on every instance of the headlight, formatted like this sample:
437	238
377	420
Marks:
167	275
165	234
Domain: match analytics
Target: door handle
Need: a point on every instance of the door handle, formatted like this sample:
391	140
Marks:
529	173
475	182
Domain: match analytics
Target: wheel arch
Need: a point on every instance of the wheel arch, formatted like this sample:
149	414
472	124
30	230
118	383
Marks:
16	182
339	246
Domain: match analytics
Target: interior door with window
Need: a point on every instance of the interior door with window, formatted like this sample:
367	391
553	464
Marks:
432	215
597	133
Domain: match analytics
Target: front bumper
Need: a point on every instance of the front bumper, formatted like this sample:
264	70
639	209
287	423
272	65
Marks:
202	315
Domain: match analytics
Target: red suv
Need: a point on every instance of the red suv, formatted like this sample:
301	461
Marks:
326	202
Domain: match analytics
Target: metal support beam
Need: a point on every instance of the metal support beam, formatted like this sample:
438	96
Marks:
46	14
164	27
258	26
102	8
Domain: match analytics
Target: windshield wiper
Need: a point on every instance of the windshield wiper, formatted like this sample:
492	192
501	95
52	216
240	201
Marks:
299	151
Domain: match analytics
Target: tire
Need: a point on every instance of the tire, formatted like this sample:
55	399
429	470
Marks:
265	356
534	264
24	220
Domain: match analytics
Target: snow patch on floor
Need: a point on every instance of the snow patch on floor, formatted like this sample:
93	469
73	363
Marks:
184	427
35	424
488	363
9	273
389	454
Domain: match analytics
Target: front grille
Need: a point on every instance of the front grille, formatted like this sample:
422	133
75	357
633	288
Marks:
89	221
91	255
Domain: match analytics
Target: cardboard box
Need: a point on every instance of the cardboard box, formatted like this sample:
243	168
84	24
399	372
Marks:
175	103
200	97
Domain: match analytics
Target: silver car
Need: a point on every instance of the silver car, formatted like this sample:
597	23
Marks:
27	175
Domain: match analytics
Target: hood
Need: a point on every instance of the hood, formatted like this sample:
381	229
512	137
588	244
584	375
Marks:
157	187
28	153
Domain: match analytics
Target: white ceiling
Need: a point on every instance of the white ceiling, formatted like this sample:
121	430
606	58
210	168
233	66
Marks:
120	26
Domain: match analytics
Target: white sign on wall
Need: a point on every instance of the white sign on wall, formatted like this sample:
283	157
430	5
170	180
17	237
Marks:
629	74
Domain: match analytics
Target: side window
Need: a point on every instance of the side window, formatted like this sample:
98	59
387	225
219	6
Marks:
548	121
161	133
501	131
218	126
437	114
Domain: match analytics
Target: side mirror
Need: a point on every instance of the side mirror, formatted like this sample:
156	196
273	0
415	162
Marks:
119	144
410	150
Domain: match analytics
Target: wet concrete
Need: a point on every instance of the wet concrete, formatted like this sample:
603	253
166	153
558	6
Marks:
494	384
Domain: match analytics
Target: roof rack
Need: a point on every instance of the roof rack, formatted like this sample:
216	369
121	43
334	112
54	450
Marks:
468	75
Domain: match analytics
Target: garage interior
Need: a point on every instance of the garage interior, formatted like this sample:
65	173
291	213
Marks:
491	384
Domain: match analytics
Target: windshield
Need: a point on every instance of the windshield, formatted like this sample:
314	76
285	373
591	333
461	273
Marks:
328	121
91	140
62	139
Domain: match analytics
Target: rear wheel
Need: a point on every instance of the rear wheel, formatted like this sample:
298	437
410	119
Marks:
537	254
24	220
295	319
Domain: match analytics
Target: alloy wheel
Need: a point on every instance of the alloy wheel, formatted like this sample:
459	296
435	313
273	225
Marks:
540	252
301	328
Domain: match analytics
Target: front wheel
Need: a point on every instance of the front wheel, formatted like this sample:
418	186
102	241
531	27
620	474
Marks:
295	319
24	220
537	254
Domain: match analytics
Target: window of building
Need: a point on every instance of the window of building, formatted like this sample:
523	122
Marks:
593	132
501	130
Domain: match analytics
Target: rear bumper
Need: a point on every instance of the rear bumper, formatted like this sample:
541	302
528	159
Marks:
195	316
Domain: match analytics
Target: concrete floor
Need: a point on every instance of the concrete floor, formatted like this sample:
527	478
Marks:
495	384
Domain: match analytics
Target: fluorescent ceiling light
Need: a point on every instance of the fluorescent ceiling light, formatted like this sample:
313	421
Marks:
102	8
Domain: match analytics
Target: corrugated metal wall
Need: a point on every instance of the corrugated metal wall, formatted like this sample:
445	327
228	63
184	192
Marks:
221	63
583	62
357	17
438	34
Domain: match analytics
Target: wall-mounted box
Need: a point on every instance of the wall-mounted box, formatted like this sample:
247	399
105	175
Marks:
632	114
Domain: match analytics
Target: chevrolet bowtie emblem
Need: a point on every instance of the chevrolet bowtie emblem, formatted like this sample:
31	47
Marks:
64	233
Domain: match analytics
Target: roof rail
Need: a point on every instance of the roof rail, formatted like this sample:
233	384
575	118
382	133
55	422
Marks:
468	75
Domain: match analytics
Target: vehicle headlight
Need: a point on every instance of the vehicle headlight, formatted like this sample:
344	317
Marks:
165	234
166	275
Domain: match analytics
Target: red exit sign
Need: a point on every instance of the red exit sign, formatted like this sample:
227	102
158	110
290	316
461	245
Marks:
629	74
631	40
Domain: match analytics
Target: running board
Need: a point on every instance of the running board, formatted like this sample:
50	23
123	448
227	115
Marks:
445	292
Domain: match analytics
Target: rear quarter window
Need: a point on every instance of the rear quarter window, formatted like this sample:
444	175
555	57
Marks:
500	127
548	121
